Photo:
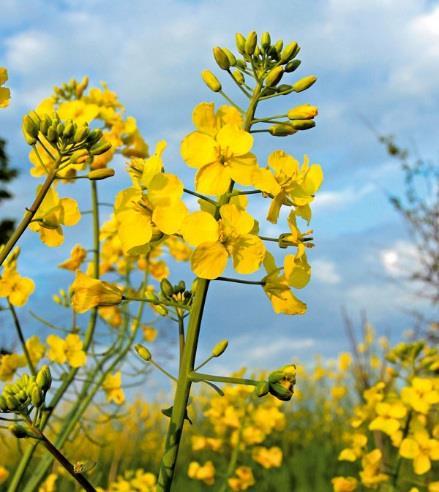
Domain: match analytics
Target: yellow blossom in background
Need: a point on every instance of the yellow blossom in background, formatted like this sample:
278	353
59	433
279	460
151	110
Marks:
4	473
358	442
78	111
216	241
201	442
35	349
16	288
69	350
77	256
9	363
267	457
111	314
53	213
5	93
112	386
344	361
370	474
88	292
205	473
149	333
344	484
421	449
389	417
242	480
49	485
421	395
220	155
178	249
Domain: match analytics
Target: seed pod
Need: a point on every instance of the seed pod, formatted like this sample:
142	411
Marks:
100	148
282	130
274	76
220	348
230	56
239	77
240	42
221	58
289	52
304	83
292	65
98	174
166	288
250	43
265	41
143	352
211	81
303	124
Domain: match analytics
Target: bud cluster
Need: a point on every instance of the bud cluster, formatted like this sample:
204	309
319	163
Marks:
175	293
71	90
415	354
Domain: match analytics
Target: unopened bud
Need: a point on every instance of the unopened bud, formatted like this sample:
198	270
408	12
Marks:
12	403
52	135
278	45
292	65
30	127
3	404
262	388
221	58
69	129
265	40
80	134
79	156
274	76
284	89
166	288
37	397
100	148
19	431
29	140
94	136
98	174
304	83
80	88
250	43
240	42
239	77
230	56
303	124
143	352
211	81
220	348
44	378
281	382
282	130
303	112
289	52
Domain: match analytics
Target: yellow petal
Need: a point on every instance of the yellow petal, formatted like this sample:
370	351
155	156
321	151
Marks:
77	359
242	168
213	179
284	163
165	189
409	448
313	179
248	253
198	149
70	212
200	227
264	180
239	220
22	291
52	237
297	271
169	219
135	231
228	115
421	464
204	119
209	260
234	140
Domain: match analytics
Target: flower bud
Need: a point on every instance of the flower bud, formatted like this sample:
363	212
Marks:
79	156
80	88
80	134
98	174
52	135
303	124
289	52
292	65
230	56
303	112
274	76
281	382
94	136
304	83
29	140
278	45
241	64
44	378
45	123
221	58
220	348
143	352
284	89
12	403
30	127
60	128
19	431
250	43
240	42
37	396
282	130
211	81
3	404
262	388
239	77
166	288
265	41
69	129
100	148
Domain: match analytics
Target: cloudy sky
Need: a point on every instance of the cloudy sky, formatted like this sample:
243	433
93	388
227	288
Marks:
376	61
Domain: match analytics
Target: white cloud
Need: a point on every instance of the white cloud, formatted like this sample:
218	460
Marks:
400	259
338	199
325	271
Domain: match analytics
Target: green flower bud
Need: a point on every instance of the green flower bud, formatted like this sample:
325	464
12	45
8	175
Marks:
292	65
284	89
69	129
262	389
94	136
19	431
44	125
239	77
100	148
211	81
79	156
3	404
60	128
143	352
166	288
181	286
303	124
30	127
98	174
289	52
80	134
274	76
230	56
241	64
37	396
278	46
304	83
265	41
220	348
44	378
273	53
12	403
250	43
221	58
52	135
240	42
282	130
281	382
303	112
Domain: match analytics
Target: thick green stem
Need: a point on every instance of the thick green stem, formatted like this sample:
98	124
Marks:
29	214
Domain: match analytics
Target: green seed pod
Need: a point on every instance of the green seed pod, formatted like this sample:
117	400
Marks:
239	77
250	43
80	134
44	378
30	126
282	130
221	58
292	65
303	124
304	83
289	52
240	42
211	81
265	41
262	389
98	174
220	348
143	352
100	148
230	56
37	396
274	76
166	288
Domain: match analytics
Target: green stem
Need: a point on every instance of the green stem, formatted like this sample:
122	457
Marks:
199	195
227	98
21	338
164	371
181	340
29	214
205	362
239	281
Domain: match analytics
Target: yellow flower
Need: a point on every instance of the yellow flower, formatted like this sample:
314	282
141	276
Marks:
89	292
69	350
268	457
178	249
278	291
78	111
344	484
344	361
288	183
35	348
49	484
296	268
200	442
359	441
111	314
205	473
370	475
421	449
16	288
420	395
77	256
52	214
5	93
9	363
433	487
389	417
216	241
220	155
112	386
242	480
149	333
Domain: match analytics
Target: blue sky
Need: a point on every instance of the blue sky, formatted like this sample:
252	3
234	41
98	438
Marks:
375	60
